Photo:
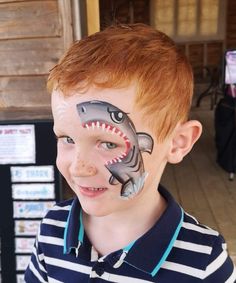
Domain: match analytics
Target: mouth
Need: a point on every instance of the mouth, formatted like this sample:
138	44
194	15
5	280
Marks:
91	191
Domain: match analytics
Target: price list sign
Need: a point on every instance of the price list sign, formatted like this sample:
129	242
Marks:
17	144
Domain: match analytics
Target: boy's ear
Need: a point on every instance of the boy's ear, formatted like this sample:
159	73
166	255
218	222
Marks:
184	137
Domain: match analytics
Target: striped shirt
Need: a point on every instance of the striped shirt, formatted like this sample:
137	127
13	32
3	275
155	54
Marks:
176	249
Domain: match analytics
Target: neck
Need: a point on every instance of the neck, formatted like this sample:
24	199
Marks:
115	231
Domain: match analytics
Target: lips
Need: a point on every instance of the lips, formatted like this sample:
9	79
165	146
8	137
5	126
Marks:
91	191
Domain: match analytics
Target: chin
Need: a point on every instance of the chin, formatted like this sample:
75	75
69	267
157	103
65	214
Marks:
96	210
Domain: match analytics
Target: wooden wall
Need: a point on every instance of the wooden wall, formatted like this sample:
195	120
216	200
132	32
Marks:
35	33
33	36
231	25
207	52
123	11
210	52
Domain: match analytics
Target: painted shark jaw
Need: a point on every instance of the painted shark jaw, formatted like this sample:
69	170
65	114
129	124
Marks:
111	129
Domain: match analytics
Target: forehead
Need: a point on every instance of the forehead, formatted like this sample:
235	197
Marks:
122	98
65	111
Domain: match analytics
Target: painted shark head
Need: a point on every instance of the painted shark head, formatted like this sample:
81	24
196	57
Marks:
127	168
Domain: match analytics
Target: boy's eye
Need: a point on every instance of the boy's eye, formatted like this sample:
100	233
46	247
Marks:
67	140
108	145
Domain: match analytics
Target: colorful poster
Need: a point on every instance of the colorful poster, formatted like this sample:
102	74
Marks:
17	144
24	245
26	227
31	209
33	191
32	173
22	262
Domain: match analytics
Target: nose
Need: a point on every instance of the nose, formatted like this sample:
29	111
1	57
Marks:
84	169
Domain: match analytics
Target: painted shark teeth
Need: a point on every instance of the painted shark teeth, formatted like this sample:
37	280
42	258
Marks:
107	128
104	127
114	160
113	130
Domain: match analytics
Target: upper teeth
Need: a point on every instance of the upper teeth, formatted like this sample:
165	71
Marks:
95	189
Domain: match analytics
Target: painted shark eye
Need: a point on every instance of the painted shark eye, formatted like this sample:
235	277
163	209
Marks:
83	109
117	117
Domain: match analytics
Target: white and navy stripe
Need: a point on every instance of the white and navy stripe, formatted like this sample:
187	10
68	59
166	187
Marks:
176	249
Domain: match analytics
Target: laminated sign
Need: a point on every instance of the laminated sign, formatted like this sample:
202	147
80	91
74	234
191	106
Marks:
24	245
44	173
33	191
17	144
20	278
32	209
26	227
22	262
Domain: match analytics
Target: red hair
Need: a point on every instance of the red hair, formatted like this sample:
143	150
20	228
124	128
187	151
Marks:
123	54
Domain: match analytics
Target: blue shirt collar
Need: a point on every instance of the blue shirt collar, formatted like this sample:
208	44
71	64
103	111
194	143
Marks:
146	253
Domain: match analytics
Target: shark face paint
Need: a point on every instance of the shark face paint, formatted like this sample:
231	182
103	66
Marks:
127	168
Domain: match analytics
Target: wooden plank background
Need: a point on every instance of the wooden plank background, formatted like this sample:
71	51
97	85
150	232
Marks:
24	90
30	19
31	56
33	36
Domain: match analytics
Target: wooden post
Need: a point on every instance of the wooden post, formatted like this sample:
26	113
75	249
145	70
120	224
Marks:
93	19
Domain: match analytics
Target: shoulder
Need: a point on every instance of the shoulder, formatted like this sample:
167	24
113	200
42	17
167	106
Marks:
59	207
192	230
56	217
204	250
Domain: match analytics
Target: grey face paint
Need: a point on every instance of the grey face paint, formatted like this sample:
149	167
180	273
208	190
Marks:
128	168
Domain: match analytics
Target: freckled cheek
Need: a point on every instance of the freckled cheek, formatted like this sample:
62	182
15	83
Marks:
67	159
63	160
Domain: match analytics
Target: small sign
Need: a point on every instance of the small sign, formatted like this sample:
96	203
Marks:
24	245
230	67
33	191
17	144
22	261
32	173
20	278
26	227
32	209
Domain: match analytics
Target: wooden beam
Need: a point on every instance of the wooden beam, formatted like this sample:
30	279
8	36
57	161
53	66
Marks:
93	18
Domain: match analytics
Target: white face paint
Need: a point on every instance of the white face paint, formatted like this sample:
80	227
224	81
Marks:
61	109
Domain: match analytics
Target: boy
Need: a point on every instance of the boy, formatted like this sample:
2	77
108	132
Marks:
120	102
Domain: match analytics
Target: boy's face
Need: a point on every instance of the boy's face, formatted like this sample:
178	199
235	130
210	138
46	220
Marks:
107	154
